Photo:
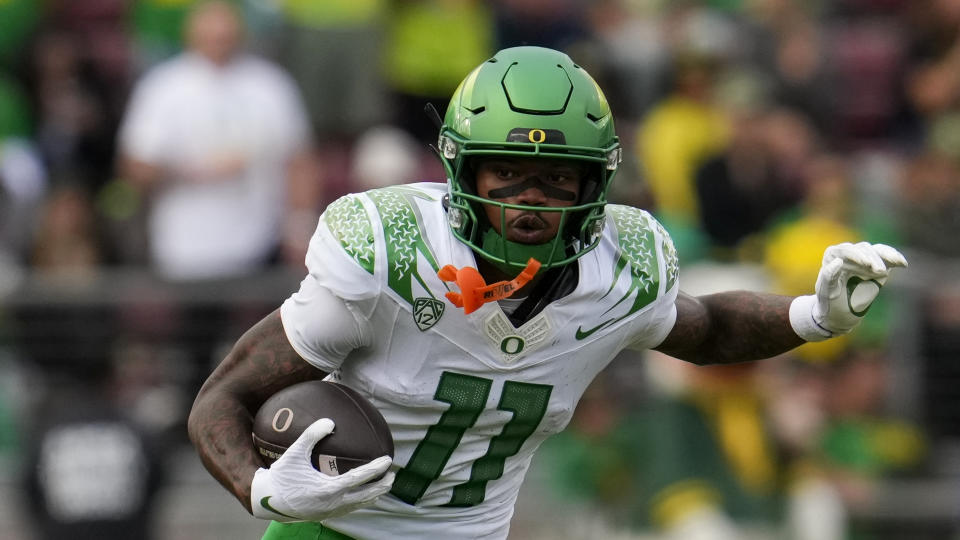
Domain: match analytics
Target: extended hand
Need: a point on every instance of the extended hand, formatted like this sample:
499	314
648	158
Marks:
292	490
850	279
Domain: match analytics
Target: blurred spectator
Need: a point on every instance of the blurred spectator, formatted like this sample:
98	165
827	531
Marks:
689	124
74	122
156	26
430	45
933	93
219	144
333	50
675	138
68	239
800	73
866	83
582	483
92	472
861	444
22	187
934	55
759	176
543	23
632	37
939	343
23	178
67	253
99	29
713	466
591	466
929	214
837	64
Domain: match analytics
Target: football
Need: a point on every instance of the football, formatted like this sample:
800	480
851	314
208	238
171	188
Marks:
360	434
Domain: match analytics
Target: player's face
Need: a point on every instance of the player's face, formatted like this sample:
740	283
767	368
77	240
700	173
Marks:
528	182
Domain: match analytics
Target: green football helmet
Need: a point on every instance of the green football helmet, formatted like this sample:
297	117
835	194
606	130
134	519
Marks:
528	102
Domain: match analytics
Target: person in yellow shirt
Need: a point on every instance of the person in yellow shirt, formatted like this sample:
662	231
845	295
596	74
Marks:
677	135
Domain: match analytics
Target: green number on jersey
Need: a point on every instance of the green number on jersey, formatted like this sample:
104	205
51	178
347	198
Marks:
467	396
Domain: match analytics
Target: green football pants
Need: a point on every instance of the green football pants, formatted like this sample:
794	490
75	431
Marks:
306	530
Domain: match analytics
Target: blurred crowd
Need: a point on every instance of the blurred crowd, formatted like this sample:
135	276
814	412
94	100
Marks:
124	125
199	141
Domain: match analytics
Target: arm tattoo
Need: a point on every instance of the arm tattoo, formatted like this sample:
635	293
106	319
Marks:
221	420
731	327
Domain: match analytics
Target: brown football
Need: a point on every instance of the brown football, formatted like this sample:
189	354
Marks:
360	435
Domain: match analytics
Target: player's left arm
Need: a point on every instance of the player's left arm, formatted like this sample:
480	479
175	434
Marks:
737	326
730	327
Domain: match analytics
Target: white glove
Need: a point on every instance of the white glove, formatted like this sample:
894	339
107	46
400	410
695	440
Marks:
292	490
850	279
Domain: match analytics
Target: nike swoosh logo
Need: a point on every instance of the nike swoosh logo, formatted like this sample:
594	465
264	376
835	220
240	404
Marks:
581	334
265	502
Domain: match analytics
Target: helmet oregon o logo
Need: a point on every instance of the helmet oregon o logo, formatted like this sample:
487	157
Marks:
535	135
512	345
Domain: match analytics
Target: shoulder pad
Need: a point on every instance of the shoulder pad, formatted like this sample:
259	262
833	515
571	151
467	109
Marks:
350	224
404	237
646	248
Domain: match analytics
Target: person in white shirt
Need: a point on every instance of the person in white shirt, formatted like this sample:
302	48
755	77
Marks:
409	300
219	142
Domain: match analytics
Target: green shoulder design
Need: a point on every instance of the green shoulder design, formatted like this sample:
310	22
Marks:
405	239
638	253
350	224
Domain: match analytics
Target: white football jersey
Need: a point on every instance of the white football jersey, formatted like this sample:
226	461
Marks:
469	398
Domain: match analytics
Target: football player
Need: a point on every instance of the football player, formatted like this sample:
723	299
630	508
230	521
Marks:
473	314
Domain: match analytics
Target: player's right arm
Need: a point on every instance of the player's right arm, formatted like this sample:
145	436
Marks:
312	333
221	420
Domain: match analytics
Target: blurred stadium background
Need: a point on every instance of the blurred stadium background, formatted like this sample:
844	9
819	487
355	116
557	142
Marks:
758	132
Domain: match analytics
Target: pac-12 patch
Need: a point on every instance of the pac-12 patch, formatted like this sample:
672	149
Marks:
426	312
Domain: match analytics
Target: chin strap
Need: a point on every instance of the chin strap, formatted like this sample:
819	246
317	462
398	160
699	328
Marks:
474	291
